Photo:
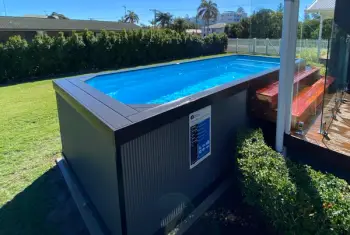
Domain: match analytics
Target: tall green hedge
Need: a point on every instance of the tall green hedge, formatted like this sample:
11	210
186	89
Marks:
294	198
82	52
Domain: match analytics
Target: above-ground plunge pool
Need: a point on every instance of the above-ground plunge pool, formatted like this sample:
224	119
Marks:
162	84
158	139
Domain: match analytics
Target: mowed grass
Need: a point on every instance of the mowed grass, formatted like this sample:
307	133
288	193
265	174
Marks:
29	135
29	144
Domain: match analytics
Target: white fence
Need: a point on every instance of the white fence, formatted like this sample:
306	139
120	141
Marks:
268	46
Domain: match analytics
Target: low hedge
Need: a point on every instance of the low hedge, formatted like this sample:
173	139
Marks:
294	198
82	52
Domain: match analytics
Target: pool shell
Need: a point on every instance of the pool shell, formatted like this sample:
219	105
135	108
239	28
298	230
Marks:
118	150
167	83
130	114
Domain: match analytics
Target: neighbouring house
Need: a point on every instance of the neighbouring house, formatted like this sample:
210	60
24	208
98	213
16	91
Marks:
231	17
194	31
225	17
214	28
28	27
198	21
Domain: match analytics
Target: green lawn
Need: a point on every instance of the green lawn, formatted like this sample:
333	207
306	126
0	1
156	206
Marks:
29	144
29	137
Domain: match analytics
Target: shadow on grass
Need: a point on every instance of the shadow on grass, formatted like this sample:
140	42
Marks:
44	207
308	195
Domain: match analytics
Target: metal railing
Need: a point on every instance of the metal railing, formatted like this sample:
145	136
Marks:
268	46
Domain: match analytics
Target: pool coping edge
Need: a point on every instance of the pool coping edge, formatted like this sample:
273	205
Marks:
142	118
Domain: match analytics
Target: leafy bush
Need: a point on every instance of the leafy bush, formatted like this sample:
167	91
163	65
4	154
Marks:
234	30
310	56
81	52
295	198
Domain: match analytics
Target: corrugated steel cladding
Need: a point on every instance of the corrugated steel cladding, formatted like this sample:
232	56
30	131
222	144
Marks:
156	173
90	150
140	185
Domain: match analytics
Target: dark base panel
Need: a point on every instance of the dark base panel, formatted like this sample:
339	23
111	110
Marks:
318	157
268	128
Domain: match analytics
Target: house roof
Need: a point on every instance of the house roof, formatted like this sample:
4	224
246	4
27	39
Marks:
324	7
8	23
217	26
194	31
36	16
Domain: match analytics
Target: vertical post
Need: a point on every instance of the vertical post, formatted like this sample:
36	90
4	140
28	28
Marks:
286	74
236	45
267	46
292	54
320	37
301	38
254	46
279	46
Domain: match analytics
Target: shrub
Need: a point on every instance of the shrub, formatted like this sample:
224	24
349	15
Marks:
295	198
310	54
15	58
81	52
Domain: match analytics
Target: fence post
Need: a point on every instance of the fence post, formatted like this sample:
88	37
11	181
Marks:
306	43
237	46
267	46
279	46
254	46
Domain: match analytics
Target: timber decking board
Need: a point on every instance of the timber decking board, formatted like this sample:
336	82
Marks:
338	132
270	92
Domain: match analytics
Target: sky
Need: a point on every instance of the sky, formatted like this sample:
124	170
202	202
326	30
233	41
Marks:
111	10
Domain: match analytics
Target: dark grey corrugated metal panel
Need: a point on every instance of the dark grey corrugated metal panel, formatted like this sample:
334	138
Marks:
91	154
151	175
157	178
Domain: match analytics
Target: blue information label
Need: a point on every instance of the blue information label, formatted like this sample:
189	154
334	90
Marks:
200	135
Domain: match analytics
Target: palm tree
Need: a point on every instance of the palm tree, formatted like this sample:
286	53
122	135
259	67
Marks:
240	10
131	17
180	25
58	16
121	20
207	10
163	19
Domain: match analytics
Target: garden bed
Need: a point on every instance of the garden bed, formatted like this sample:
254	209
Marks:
229	215
293	197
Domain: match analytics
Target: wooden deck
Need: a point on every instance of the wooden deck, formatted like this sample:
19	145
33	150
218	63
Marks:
338	133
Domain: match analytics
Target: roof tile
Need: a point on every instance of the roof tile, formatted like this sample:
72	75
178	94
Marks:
37	24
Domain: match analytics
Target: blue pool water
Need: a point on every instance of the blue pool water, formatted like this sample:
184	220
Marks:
163	84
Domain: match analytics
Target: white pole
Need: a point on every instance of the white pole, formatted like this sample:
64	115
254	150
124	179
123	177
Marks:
286	74
320	38
237	46
291	65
